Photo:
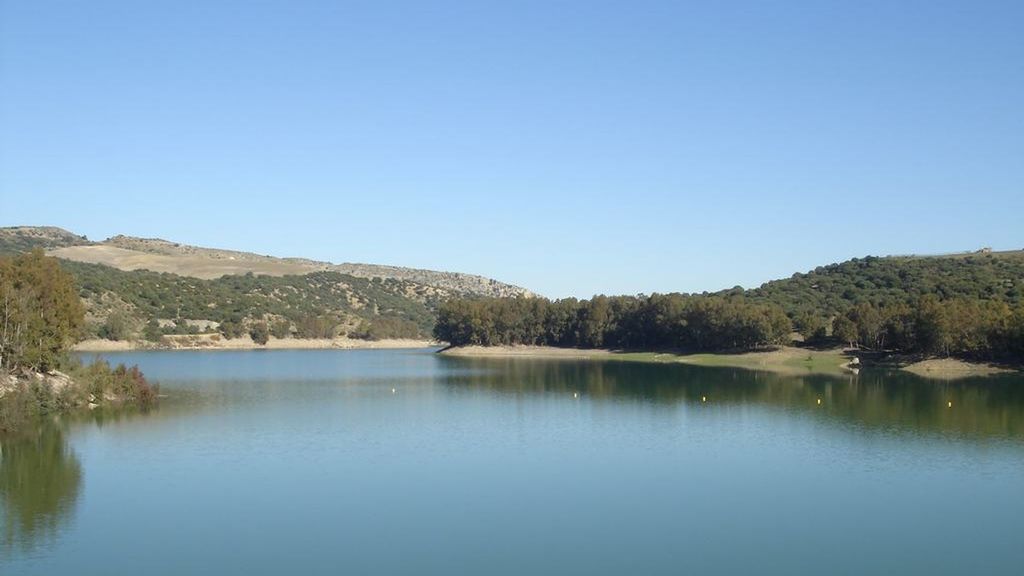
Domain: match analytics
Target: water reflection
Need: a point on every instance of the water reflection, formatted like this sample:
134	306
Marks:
991	407
40	480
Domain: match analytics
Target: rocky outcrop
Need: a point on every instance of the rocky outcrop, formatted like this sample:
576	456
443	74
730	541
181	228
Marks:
55	382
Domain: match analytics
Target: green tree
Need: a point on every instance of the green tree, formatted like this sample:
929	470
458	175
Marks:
844	330
281	329
152	331
115	327
40	311
260	333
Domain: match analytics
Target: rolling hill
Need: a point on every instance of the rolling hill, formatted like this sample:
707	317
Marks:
832	289
140	286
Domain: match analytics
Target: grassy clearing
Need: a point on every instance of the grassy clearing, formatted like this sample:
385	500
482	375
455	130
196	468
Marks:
783	360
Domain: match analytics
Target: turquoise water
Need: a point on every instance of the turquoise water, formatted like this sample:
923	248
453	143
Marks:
404	462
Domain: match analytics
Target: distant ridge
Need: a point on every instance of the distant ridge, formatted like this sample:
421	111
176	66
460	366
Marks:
15	239
158	255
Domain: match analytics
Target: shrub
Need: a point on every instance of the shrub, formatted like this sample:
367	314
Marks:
260	333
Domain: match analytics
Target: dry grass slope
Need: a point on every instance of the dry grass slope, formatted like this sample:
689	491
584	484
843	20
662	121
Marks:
131	253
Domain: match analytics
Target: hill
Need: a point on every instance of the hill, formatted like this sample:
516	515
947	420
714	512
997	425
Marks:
965	305
135	287
18	239
157	255
830	290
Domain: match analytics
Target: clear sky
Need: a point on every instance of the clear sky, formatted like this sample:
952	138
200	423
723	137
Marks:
571	147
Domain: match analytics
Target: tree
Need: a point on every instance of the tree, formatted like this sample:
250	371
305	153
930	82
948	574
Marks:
115	327
260	333
152	331
810	326
40	312
868	320
231	328
844	330
281	329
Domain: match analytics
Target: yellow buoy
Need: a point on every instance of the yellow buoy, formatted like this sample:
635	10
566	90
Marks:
949	404
819	401
703	398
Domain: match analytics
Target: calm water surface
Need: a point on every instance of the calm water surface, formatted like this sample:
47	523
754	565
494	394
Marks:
403	462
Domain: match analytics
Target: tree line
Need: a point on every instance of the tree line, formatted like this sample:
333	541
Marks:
969	305
980	329
659	321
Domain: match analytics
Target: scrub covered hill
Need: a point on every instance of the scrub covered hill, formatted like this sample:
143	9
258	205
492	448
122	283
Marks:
198	290
317	305
130	253
968	305
18	239
830	290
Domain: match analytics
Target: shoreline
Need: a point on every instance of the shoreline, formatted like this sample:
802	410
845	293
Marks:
783	360
214	342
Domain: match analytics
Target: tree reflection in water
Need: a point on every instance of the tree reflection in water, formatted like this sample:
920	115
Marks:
40	480
984	407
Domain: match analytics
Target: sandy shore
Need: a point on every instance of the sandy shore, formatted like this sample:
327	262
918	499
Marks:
526	352
788	360
782	360
950	368
215	342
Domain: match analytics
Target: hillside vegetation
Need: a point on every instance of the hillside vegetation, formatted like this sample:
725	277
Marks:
17	239
145	288
130	253
830	290
969	305
317	305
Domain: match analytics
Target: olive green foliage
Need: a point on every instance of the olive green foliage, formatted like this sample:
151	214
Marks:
968	305
40	312
152	331
659	321
312	326
980	329
281	329
40	479
40	317
95	383
317	304
828	291
382	328
18	239
115	327
231	329
260	333
120	383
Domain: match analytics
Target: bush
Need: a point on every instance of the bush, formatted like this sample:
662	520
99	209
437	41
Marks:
281	329
231	329
152	331
260	333
115	327
119	384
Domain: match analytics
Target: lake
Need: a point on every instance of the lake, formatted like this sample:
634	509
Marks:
406	462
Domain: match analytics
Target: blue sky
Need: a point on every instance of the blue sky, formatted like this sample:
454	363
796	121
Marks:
570	147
